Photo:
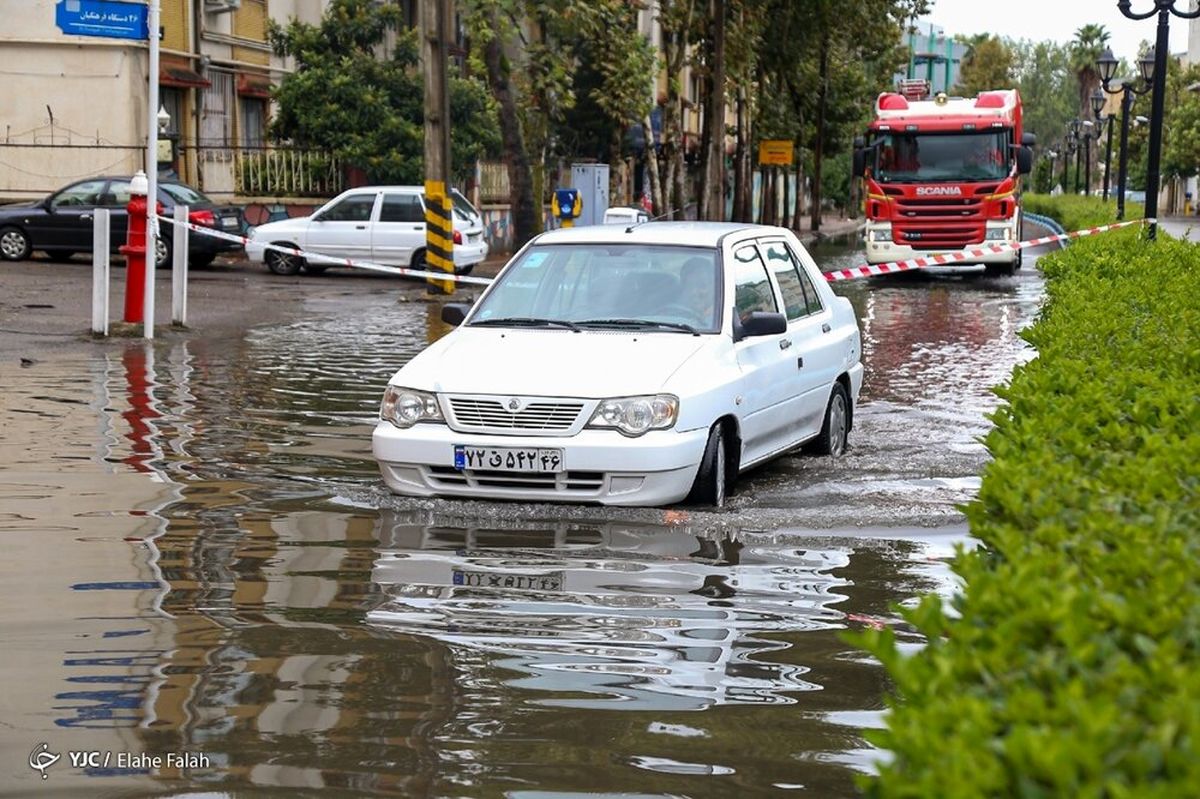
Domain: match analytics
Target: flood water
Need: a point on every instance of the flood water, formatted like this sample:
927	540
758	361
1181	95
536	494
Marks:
200	558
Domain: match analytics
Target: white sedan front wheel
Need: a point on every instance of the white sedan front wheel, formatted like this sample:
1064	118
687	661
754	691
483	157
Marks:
712	479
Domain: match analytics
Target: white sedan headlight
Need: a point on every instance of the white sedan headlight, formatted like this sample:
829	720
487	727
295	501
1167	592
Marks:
633	416
404	407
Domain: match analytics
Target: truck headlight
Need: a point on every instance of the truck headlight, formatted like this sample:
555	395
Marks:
881	234
998	234
404	407
633	416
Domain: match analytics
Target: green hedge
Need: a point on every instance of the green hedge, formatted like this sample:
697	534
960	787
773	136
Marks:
1070	665
1076	212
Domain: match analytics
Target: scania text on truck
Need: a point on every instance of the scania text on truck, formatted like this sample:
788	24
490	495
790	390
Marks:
943	175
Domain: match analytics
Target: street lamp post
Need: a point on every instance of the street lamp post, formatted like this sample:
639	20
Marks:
1164	9
1086	131
1107	66
1105	122
1067	150
1076	139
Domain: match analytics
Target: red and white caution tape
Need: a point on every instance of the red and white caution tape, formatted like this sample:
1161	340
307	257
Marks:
333	260
892	267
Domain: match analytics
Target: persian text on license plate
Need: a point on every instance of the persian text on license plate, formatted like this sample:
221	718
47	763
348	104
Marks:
552	581
507	459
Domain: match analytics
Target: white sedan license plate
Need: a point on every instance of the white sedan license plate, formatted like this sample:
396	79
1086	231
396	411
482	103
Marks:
229	222
508	459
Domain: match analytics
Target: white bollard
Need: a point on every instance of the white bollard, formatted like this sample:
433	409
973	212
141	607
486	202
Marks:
101	236
179	267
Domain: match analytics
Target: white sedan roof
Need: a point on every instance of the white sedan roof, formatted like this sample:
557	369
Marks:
695	234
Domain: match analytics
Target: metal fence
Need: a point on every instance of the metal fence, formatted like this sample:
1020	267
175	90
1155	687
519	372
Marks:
266	171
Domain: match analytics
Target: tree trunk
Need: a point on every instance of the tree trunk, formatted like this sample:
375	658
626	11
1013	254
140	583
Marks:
714	182
525	219
819	142
656	194
740	176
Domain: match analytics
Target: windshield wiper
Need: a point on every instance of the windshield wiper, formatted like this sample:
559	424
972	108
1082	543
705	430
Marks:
640	324
526	321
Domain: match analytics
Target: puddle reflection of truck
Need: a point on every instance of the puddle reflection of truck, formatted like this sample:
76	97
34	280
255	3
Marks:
943	175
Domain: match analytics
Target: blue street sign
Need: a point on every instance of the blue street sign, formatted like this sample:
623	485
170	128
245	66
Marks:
108	18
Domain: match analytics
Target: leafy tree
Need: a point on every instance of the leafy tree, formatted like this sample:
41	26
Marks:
532	53
365	104
987	65
1181	128
1047	84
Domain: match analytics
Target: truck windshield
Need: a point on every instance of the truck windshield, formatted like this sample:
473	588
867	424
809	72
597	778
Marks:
931	157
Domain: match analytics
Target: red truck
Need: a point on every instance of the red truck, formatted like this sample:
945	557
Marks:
942	175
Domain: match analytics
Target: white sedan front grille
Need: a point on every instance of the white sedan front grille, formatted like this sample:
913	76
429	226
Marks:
495	414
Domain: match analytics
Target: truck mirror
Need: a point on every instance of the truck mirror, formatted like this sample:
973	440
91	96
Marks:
859	164
1024	160
1028	140
859	142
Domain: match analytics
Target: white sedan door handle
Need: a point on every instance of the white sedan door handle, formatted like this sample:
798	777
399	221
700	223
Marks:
825	328
785	343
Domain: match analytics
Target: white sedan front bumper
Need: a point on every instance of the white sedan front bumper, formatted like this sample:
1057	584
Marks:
601	466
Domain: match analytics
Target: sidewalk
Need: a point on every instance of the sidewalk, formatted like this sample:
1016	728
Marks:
1182	227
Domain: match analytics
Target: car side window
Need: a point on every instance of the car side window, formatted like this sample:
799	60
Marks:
789	276
355	208
402	208
85	193
118	194
751	286
812	298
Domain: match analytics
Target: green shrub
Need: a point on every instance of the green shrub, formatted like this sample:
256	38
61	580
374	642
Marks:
1075	211
1070	665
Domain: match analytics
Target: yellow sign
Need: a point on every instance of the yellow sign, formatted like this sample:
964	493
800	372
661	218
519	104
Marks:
775	152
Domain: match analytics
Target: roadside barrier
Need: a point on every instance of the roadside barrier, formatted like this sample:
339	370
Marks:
335	261
892	267
866	270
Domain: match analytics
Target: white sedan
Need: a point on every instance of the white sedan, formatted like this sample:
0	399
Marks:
379	224
627	366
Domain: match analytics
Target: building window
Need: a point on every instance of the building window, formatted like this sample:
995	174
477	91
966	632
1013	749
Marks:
252	121
216	118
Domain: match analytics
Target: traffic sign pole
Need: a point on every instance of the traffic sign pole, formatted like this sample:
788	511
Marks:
151	168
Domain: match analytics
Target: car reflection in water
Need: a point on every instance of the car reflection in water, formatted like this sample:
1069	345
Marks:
616	616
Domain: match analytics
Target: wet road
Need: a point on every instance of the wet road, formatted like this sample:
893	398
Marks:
200	558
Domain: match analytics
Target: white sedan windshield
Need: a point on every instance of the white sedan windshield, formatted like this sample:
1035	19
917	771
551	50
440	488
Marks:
609	285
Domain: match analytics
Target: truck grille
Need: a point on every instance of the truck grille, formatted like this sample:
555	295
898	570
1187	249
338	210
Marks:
938	224
484	414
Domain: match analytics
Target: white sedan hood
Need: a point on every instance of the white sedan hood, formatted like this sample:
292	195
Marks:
550	362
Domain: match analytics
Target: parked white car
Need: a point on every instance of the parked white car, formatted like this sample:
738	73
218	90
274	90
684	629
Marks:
380	224
627	366
622	215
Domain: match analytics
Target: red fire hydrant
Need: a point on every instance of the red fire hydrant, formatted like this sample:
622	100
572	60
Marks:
134	249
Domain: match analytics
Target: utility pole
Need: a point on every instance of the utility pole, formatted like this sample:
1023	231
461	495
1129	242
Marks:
439	220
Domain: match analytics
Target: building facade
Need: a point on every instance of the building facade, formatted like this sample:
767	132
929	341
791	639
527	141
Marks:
75	106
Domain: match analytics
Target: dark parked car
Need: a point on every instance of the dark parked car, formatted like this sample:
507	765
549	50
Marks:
61	224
